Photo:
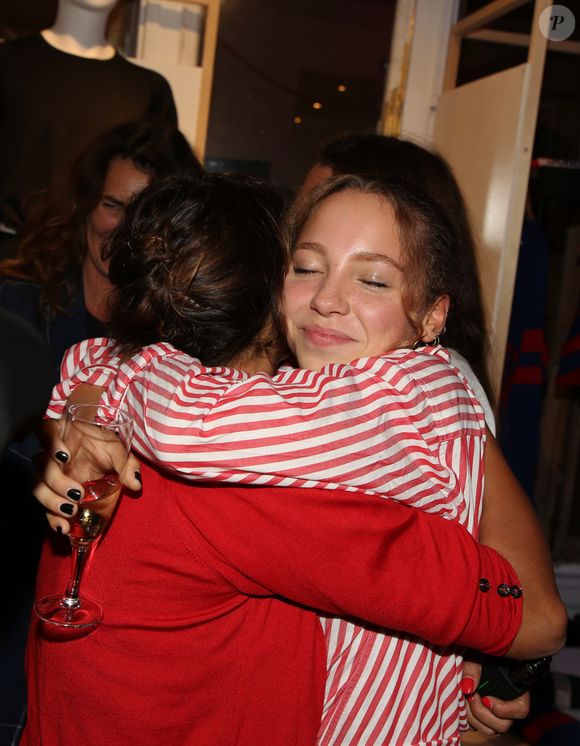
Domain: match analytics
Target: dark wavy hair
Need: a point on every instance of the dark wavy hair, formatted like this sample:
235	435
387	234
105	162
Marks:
200	263
404	160
427	239
54	244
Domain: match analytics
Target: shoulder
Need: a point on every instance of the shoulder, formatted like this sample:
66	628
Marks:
465	369
21	46
427	385
405	368
23	53
14	292
152	77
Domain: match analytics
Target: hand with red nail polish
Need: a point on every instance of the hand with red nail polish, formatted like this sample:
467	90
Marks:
489	716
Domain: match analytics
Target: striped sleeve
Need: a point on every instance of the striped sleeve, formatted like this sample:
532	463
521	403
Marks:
375	425
90	361
95	362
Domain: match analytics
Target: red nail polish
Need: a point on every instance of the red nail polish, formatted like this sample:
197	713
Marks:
468	686
486	702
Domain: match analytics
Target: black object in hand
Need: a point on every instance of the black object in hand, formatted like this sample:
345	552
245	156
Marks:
509	679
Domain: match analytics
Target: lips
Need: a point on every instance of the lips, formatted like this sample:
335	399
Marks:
321	337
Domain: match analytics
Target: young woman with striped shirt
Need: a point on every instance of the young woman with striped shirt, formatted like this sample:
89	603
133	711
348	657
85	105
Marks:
370	277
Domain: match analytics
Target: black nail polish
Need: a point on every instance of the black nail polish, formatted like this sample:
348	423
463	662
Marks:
58	529
67	508
74	494
138	477
61	456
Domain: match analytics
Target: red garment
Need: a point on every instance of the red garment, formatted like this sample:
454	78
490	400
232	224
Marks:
193	648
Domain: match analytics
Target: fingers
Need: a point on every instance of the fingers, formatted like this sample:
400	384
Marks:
514	709
491	716
56	492
483	719
131	475
58	524
471	677
58	509
48	432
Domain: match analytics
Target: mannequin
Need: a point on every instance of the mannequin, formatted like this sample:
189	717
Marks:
80	28
59	90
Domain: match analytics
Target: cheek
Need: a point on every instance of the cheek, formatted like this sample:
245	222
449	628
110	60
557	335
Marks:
102	222
292	305
385	326
292	300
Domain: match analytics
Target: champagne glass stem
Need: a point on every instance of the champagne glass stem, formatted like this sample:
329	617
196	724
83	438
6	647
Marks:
80	552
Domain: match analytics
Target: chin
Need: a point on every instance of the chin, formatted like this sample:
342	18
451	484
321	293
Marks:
319	361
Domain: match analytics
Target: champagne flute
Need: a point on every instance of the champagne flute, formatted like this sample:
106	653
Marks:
99	439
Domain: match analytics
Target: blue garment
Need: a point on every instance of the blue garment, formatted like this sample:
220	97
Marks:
522	393
61	332
23	297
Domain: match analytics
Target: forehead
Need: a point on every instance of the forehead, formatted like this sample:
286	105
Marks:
351	223
355	208
123	179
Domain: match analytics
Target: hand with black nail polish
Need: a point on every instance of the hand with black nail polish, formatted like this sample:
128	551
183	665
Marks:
53	486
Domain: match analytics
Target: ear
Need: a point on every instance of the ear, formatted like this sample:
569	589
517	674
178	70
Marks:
435	318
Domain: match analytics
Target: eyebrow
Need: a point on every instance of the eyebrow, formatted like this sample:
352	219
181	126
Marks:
360	256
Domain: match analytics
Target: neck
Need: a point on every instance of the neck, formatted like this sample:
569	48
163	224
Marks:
80	31
97	290
254	361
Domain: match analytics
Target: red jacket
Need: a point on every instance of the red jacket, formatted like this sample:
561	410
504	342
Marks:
196	648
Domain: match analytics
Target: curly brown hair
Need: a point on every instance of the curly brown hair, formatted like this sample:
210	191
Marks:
54	245
200	264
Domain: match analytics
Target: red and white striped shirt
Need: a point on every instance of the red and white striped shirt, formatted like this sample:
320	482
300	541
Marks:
403	426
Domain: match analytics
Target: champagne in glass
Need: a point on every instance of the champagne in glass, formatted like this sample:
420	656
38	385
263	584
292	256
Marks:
98	438
95	508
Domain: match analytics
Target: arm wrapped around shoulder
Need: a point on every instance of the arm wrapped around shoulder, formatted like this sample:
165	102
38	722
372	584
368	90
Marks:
356	555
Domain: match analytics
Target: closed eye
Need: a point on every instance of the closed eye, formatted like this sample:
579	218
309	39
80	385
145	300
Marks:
375	283
304	270
112	204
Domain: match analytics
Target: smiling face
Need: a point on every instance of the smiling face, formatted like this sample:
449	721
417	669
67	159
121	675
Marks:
122	182
343	292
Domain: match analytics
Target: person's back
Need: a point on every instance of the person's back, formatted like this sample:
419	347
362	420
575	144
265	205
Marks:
189	648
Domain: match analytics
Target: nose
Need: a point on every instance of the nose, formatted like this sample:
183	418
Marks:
330	298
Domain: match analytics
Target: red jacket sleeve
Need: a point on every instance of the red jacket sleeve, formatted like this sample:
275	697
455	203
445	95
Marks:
353	554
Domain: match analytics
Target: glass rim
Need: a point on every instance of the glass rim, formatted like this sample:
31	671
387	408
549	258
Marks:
121	417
